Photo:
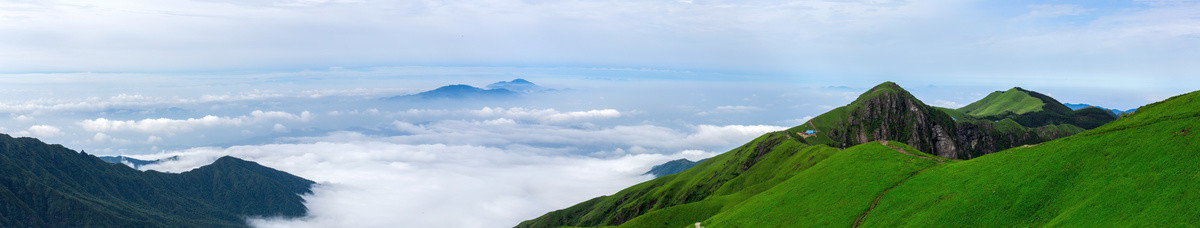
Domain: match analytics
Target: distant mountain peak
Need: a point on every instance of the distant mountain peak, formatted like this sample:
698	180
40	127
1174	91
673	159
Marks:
518	85
498	90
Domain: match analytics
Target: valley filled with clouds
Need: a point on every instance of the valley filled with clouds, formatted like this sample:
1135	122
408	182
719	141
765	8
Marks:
428	162
470	162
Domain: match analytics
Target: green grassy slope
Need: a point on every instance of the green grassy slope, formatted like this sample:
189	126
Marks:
955	113
697	192
1033	109
1014	101
832	193
778	180
1140	171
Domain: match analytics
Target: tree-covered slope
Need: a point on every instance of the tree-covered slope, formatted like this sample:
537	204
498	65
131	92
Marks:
51	186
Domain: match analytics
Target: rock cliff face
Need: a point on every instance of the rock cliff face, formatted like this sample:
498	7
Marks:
888	112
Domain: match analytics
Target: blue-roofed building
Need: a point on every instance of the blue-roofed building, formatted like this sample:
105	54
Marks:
810	132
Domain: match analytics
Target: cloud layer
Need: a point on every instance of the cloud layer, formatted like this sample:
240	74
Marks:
370	182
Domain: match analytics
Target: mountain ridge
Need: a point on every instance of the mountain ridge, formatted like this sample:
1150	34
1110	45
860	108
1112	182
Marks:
797	176
49	185
889	112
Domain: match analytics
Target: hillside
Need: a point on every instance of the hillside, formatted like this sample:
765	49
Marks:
1033	109
888	112
787	179
1135	172
51	186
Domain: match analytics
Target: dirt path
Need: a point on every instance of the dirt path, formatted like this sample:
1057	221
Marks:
698	225
858	222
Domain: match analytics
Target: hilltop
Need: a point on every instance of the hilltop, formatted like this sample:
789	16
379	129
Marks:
51	186
1033	109
889	112
1130	172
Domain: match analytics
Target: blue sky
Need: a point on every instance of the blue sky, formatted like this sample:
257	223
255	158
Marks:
297	85
971	41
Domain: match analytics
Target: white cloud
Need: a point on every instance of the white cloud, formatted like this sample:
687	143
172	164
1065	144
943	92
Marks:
166	125
100	137
41	131
947	104
802	120
1051	11
23	118
280	128
379	184
731	109
151	139
547	115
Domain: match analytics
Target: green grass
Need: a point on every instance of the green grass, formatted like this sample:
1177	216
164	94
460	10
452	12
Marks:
1013	101
691	195
1135	172
832	193
1138	171
955	113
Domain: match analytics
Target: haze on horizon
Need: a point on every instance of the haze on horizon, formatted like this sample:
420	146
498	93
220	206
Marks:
301	86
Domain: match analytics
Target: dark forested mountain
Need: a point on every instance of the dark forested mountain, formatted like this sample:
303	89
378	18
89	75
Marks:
671	167
51	186
1136	171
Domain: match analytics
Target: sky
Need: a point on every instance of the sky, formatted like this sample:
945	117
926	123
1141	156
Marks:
302	85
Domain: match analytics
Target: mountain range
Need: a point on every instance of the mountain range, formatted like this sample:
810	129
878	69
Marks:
44	185
498	90
1115	112
887	160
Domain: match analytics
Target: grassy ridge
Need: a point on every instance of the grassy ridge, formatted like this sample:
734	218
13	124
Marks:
1133	172
1033	109
699	191
1137	172
832	193
1012	101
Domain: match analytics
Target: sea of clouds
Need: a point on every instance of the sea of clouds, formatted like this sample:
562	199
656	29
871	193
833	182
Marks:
423	163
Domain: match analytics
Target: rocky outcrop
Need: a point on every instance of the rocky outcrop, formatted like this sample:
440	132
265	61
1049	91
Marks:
888	112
